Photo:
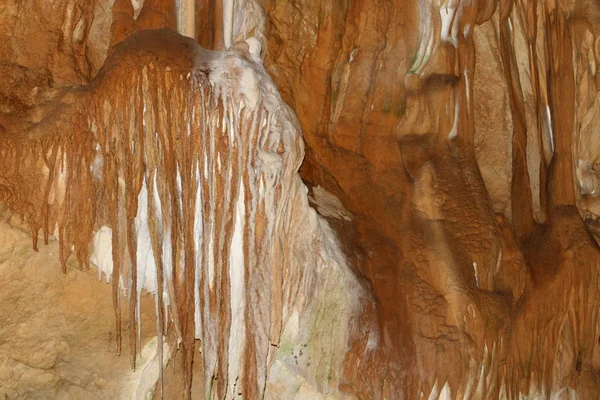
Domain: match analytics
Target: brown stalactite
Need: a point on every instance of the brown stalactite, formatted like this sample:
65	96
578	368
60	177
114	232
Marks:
521	200
561	101
209	24
219	29
122	22
157	14
111	172
528	14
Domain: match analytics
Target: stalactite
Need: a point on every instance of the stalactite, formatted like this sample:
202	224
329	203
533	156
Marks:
561	96
186	17
208	23
521	198
156	14
528	15
122	21
184	163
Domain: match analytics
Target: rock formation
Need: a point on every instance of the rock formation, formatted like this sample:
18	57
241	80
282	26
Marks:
303	199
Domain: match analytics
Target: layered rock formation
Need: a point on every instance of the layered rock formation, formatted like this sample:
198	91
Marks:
474	261
450	159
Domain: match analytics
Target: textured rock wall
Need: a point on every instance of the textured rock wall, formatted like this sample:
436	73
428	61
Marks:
49	45
57	331
454	227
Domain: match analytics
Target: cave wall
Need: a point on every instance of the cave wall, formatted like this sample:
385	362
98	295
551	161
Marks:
456	217
450	144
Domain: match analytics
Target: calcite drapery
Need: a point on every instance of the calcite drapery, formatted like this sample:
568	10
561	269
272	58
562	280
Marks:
184	162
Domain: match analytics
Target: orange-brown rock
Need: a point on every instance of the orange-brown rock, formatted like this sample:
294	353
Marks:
429	242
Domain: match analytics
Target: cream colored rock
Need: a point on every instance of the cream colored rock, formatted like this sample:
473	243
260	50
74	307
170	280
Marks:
39	356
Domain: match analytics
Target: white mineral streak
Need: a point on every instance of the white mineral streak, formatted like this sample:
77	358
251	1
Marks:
426	37
445	393
198	247
468	88
142	384
255	49
247	20
102	252
476	276
238	293
435	392
454	131
137	7
146	266
449	31
550	133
